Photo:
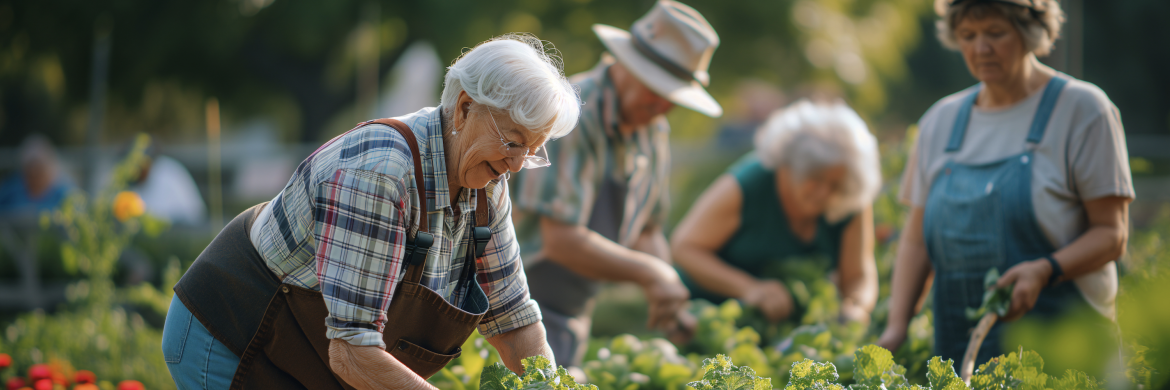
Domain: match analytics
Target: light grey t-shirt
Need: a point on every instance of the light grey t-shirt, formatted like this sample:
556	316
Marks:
1081	157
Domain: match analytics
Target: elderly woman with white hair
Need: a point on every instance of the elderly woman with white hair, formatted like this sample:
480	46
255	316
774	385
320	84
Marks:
804	195
1026	172
389	245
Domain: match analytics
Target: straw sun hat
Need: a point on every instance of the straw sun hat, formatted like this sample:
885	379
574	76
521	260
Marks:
668	50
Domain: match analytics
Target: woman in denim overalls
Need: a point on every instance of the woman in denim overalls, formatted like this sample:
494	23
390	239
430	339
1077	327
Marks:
984	187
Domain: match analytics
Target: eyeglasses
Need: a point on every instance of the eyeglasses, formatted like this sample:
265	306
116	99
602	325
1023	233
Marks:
533	158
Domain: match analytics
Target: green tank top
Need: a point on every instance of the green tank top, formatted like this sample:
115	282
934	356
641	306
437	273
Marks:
764	245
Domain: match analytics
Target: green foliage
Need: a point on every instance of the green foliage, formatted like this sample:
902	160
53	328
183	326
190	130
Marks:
720	374
629	363
95	330
874	368
1076	380
995	300
941	375
1025	370
538	374
810	375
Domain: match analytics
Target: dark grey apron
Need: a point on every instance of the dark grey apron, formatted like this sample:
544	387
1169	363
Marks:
566	298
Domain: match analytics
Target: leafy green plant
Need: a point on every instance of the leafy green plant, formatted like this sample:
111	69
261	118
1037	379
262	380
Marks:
995	300
941	375
810	375
627	363
538	375
1025	370
720	374
874	368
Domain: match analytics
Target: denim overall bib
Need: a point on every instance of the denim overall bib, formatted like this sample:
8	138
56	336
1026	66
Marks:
981	216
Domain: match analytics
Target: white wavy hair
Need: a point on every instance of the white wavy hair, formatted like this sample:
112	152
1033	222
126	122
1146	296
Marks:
517	74
807	138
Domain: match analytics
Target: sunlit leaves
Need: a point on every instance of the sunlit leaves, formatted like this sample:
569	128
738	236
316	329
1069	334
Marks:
538	374
720	374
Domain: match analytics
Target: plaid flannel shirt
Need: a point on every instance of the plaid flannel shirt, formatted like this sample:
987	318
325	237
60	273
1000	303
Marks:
582	161
341	224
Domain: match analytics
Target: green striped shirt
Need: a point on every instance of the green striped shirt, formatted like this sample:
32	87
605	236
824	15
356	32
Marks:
581	161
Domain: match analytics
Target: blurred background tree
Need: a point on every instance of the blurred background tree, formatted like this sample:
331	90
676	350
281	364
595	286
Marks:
301	63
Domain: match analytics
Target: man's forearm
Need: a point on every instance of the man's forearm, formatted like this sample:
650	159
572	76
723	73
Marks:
653	242
370	367
593	256
522	343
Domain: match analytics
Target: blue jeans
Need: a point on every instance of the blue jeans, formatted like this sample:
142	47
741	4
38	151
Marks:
195	359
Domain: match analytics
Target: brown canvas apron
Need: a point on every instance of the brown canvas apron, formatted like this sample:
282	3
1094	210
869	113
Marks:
288	348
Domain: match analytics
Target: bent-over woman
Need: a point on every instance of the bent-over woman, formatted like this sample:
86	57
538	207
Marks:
802	196
389	245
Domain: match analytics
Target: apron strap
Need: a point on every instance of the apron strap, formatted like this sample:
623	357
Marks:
961	120
415	255
1044	111
480	235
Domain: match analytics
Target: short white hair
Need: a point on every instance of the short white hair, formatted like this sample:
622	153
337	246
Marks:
807	138
518	74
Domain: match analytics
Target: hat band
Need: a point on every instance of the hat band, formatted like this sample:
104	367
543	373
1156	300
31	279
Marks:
1029	4
649	52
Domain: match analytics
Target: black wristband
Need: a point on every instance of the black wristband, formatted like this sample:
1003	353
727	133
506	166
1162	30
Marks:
1057	272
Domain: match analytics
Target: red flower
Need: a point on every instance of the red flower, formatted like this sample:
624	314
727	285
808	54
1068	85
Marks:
38	372
84	376
86	386
15	383
5	361
43	384
130	385
60	379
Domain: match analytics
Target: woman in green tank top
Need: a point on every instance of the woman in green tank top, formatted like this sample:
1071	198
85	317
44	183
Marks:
798	209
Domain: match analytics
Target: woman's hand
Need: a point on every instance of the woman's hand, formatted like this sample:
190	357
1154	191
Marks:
684	332
1030	278
666	297
853	312
772	298
892	338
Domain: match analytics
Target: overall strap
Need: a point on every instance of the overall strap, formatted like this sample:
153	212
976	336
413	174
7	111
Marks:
480	235
1044	111
415	255
962	119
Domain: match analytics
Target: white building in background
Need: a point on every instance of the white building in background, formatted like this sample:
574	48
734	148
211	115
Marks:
413	82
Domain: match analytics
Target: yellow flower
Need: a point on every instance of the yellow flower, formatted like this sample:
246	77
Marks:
128	205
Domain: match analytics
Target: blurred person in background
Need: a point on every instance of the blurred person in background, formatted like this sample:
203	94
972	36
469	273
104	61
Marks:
387	248
598	215
799	206
168	190
40	185
1026	172
757	99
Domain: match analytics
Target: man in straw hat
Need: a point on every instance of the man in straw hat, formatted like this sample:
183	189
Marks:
599	215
